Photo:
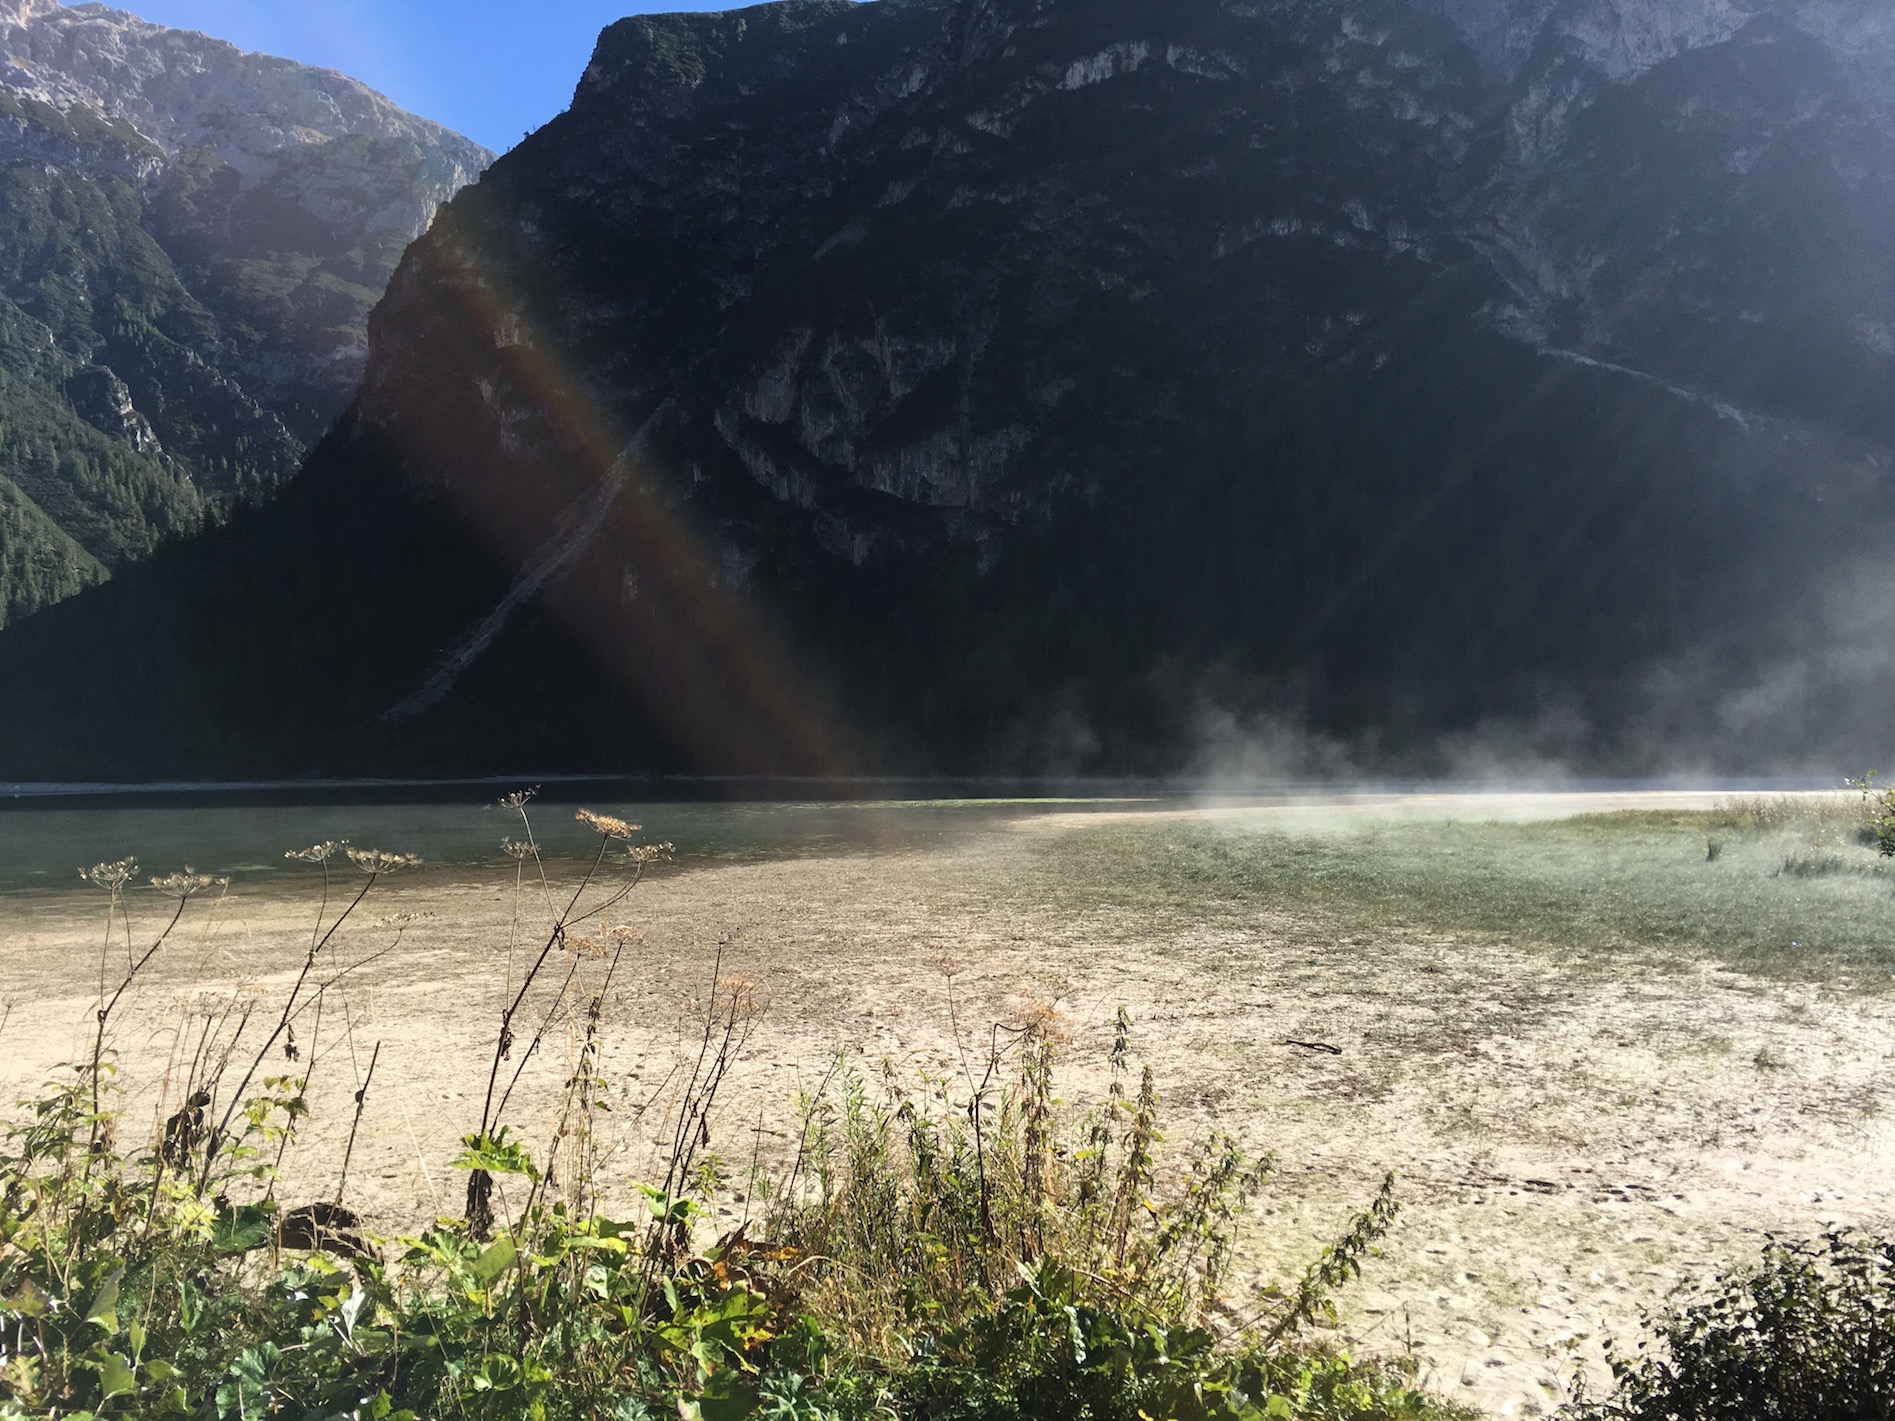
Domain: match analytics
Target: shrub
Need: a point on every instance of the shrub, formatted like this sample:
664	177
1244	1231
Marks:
1875	818
1806	1334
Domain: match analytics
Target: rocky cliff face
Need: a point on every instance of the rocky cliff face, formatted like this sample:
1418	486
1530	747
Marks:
1057	385
202	233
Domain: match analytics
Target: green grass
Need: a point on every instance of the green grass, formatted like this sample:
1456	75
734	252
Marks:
1605	887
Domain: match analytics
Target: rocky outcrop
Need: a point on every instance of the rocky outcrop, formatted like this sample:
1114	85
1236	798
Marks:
1031	383
204	231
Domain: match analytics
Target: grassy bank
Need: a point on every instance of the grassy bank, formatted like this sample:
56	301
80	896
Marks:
1782	888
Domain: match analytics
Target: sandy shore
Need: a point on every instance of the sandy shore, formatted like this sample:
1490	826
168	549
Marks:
1570	1143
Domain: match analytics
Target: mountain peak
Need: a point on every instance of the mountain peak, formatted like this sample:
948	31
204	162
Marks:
191	238
181	88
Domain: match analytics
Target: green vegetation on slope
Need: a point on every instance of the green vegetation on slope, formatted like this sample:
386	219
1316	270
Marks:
115	432
83	127
75	501
74	255
216	323
39	563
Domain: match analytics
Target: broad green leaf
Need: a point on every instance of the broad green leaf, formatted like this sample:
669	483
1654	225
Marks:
666	1208
28	1302
116	1378
496	1372
241	1229
190	1306
351	1311
103	1309
737	1404
497	1155
495	1261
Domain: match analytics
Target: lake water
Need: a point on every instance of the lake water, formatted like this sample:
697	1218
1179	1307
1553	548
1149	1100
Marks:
43	844
46	838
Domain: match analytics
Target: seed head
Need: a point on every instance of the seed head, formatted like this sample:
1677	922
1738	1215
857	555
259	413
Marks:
378	861
642	854
518	799
110	876
515	849
318	853
586	947
605	824
188	884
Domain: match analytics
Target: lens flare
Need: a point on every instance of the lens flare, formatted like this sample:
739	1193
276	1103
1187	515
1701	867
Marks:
599	537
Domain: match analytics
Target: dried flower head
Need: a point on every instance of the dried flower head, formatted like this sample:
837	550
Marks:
110	876
519	798
188	884
739	997
586	947
318	853
623	935
605	824
642	854
379	861
513	848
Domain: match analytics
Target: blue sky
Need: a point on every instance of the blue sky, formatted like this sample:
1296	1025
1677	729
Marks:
491	68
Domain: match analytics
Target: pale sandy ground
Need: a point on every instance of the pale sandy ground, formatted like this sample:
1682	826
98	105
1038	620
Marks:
1569	1145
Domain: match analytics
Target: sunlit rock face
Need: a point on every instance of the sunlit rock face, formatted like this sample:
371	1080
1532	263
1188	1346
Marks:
285	193
205	230
1053	385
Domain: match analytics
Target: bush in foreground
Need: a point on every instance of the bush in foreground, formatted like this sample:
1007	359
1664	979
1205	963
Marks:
1805	1334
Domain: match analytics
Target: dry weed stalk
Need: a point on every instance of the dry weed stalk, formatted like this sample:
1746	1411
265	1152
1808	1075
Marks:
731	1012
361	1103
479	1213
375	864
184	887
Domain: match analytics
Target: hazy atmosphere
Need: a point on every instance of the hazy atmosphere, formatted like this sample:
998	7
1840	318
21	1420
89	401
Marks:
947	710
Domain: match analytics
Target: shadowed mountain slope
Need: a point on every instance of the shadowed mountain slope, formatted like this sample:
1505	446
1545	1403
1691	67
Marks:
1286	386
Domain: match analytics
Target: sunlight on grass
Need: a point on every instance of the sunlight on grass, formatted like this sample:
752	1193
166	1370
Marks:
1798	900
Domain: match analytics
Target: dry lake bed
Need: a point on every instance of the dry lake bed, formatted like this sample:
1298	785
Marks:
1606	1042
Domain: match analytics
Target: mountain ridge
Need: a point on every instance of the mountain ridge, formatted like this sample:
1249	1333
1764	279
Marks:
981	384
201	233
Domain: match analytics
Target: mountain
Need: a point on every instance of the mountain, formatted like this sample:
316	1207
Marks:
191	239
1274	386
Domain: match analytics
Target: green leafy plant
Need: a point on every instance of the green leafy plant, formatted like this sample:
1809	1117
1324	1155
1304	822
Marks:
1875	822
1807	1333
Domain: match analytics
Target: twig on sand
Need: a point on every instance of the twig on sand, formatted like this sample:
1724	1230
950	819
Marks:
1323	1046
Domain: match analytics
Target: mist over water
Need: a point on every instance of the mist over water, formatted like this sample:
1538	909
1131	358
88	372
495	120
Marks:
1806	697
